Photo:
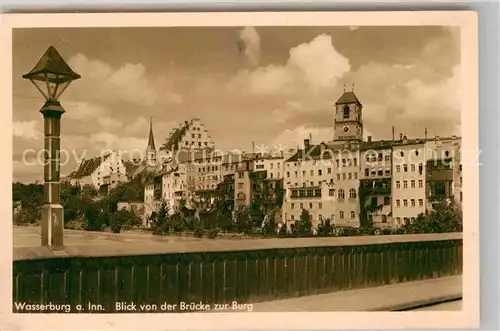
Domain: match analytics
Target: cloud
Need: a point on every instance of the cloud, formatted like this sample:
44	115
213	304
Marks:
250	39
27	130
130	84
295	137
311	67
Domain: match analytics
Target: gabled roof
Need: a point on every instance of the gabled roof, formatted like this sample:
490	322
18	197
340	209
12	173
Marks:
174	139
348	97
51	62
87	167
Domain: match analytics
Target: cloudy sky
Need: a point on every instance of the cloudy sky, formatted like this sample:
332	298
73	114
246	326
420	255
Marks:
269	85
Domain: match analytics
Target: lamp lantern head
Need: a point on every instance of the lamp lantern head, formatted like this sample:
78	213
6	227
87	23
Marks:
51	75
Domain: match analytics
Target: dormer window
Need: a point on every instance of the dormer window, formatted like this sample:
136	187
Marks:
346	111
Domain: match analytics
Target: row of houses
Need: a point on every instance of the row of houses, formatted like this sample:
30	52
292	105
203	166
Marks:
348	180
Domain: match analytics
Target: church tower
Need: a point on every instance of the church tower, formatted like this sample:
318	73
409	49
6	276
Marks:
348	122
151	149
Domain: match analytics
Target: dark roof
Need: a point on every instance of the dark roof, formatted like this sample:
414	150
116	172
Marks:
380	144
51	62
151	141
87	167
348	97
173	141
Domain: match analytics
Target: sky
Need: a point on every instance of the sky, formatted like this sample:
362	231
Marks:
268	85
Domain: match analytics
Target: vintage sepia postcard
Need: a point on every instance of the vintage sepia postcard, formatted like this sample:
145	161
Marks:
306	170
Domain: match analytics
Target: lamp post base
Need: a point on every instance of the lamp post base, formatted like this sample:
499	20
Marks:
53	226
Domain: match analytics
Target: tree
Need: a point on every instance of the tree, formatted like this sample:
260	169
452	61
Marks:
269	224
325	228
160	220
123	220
283	231
446	216
304	224
96	217
243	221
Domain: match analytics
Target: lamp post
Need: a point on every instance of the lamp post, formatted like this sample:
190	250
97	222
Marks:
51	76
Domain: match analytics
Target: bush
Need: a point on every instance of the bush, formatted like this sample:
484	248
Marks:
212	233
198	232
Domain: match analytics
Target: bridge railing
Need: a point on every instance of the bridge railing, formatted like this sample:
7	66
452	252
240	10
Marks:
223	272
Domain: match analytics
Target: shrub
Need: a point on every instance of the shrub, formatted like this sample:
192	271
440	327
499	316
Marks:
212	233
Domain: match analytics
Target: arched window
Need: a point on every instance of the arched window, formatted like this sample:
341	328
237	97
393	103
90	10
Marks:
353	215
341	214
352	194
341	194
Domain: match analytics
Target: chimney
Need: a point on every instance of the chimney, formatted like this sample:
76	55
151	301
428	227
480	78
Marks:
405	138
393	133
400	136
306	144
369	139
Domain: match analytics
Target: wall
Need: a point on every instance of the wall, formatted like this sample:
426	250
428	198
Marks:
280	268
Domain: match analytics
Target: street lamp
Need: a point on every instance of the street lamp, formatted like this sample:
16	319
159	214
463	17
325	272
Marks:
51	76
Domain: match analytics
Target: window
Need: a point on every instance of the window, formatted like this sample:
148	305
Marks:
405	167
341	214
447	153
355	175
344	176
341	195
278	175
355	162
319	172
420	183
398	203
338	176
412	168
312	172
192	135
367	172
310	205
374	173
288	173
387	201
292	217
272	165
387	172
387	157
296	174
301	206
346	112
329	170
402	153
353	215
398	184
349	175
352	194
398	168
303	173
405	184
412	201
384	218
331	192
420	202
380	173
240	175
420	168
320	205
374	201
292	205
199	136
271	175
461	196
338	164
412	184
405	203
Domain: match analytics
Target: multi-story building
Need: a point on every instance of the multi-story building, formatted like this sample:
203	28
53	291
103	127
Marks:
103	172
191	134
309	184
375	184
408	181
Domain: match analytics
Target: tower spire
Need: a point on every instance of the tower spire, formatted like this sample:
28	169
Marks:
151	141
